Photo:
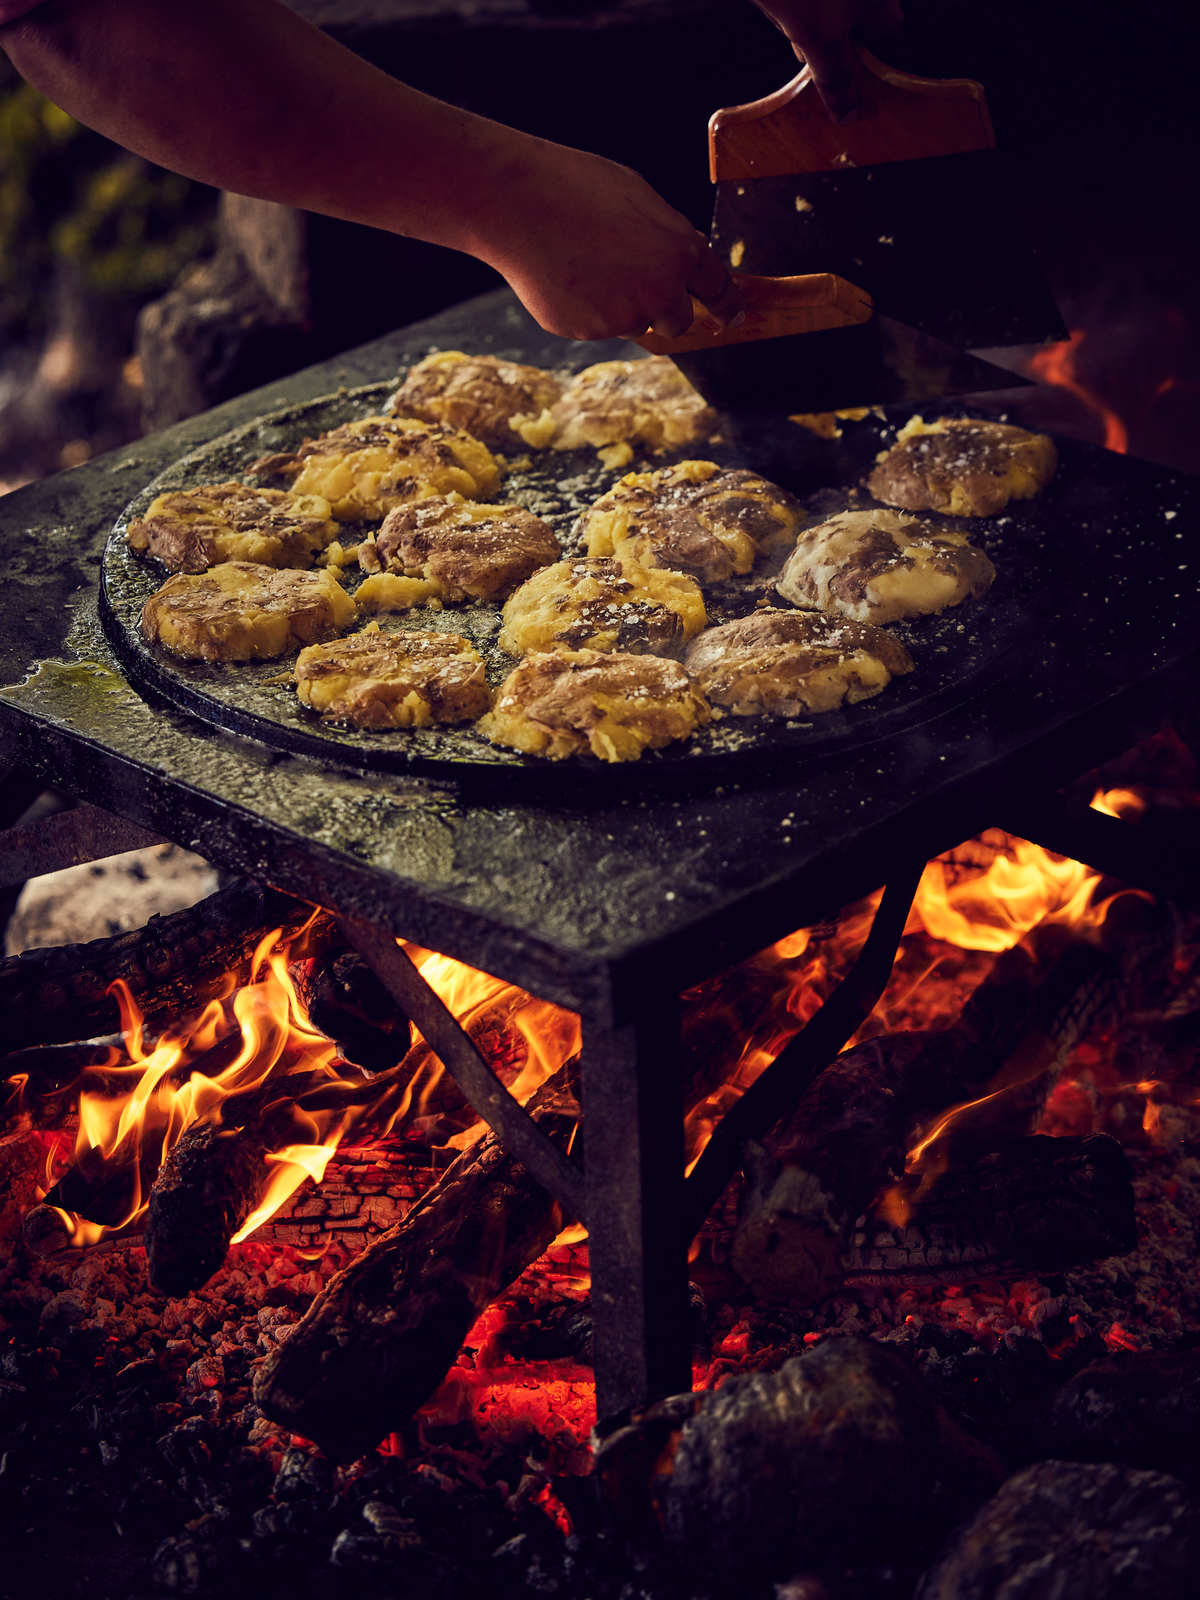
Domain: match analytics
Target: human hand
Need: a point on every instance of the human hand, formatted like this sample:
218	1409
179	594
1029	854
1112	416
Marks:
820	32
593	252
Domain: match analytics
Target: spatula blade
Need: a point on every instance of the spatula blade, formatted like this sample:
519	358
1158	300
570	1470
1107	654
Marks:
937	243
880	362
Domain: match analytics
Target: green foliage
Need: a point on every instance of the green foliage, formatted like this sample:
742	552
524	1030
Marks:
69	196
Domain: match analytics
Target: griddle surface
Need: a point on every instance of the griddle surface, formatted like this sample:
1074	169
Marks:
954	652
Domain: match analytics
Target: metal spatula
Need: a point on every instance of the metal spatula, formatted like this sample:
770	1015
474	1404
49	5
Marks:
907	207
816	343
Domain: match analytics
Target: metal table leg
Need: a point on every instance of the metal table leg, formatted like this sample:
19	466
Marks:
633	1168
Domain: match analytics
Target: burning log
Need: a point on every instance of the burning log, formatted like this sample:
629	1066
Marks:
365	1191
204	1191
41	1084
849	1134
353	1007
215	1178
1040	1203
270	1101
175	964
383	1333
1066	1528
218	1173
767	1476
378	1340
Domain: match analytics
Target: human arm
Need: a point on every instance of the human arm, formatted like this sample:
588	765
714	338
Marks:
821	32
247	96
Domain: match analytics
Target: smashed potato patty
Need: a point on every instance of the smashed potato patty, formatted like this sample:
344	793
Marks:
365	468
963	466
393	680
240	611
878	566
486	395
648	403
693	517
793	663
603	604
189	530
463	550
563	703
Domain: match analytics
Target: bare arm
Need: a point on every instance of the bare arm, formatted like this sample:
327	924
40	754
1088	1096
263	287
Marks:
247	96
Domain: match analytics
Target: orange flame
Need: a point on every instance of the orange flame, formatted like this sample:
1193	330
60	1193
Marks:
131	1122
1055	364
1023	886
263	1034
550	1034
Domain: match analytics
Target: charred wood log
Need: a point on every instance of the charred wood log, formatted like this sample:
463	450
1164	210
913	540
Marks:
1040	1203
848	1135
384	1332
42	1084
105	1186
365	1191
218	1172
768	1475
1068	1528
204	1191
352	1006
379	1339
174	964
213	1180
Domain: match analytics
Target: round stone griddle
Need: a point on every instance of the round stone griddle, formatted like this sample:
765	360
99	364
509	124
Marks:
955	654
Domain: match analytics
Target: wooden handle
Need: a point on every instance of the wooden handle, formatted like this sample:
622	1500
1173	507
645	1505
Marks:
901	118
773	306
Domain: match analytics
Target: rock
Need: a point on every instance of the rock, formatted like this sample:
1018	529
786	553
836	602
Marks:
1063	1529
1138	1407
775	1474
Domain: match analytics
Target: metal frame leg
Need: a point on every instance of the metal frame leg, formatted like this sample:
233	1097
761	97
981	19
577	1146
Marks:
633	1169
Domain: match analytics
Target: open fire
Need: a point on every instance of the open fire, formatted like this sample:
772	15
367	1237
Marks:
260	1040
909	1260
258	1044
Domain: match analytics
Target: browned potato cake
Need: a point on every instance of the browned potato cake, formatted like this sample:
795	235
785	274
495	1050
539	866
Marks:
879	566
647	404
693	517
462	549
564	703
189	530
603	604
239	611
962	466
393	680
489	397
793	663
365	468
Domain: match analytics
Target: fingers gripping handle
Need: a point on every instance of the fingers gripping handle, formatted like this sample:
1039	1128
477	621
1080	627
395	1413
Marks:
773	307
